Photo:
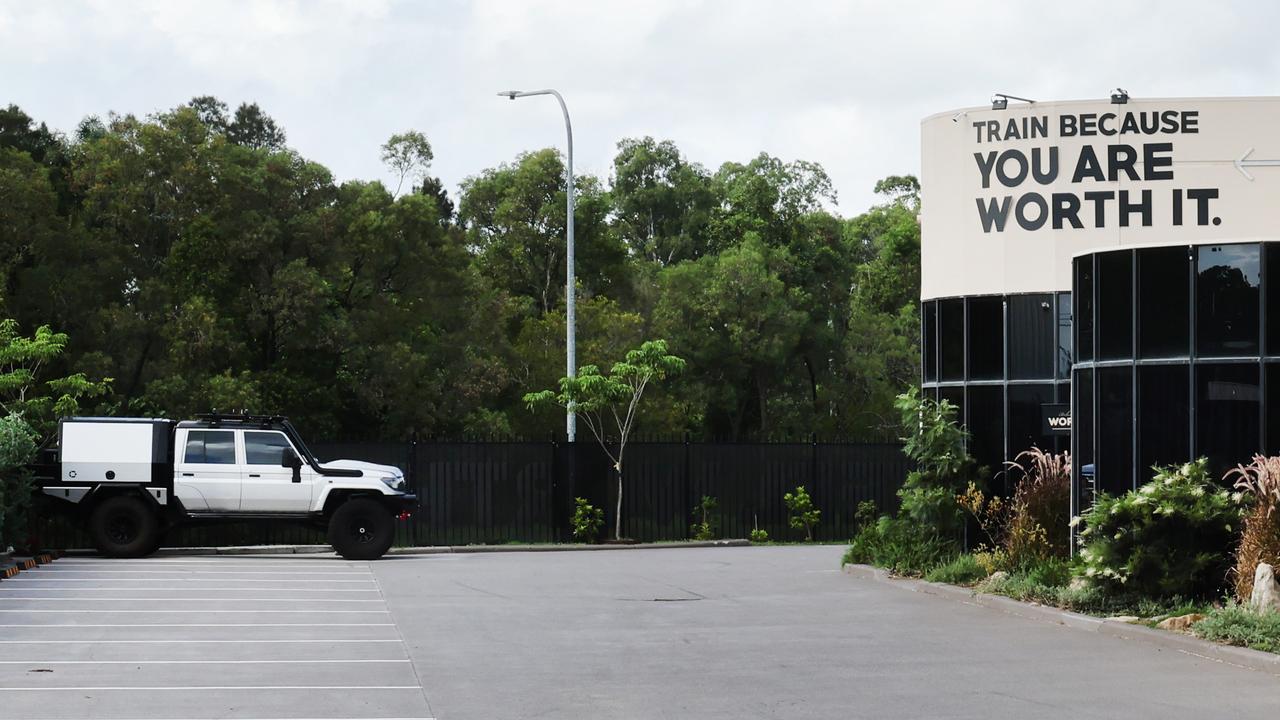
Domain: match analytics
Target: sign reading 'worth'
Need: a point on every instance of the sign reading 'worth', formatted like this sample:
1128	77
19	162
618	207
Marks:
1009	196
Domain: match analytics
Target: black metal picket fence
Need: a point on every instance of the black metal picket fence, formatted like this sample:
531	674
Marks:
489	491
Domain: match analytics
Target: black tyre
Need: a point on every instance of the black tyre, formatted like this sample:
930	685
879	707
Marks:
362	529
124	527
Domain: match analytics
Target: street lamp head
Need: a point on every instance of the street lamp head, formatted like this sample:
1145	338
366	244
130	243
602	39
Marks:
509	94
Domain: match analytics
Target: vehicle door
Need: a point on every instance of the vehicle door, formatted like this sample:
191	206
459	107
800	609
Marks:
208	474
269	484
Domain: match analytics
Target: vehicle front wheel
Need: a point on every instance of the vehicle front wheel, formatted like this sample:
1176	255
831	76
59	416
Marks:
362	529
124	527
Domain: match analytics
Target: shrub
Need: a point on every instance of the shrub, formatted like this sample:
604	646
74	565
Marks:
587	520
896	544
759	536
801	513
704	527
17	448
1241	625
935	443
962	570
1032	527
1171	537
1260	539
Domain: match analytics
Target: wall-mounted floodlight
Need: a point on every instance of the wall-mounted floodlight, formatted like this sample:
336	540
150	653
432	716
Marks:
1119	96
1000	101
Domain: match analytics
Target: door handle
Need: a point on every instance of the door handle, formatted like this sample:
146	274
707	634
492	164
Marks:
254	475
188	474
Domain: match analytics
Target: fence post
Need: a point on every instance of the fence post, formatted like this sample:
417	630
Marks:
413	483
684	485
553	505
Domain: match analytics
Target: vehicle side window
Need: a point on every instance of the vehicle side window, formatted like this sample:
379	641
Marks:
263	448
211	447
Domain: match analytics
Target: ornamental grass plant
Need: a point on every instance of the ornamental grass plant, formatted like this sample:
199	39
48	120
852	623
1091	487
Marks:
1259	481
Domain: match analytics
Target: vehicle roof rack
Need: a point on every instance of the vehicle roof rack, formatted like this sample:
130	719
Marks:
216	418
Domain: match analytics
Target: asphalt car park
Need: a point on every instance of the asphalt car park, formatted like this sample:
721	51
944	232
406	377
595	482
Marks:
196	638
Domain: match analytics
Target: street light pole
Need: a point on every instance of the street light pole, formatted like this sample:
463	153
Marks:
571	349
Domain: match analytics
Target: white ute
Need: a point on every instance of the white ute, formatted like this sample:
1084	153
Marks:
129	480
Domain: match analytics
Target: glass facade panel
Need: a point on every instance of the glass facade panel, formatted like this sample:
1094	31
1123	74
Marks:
1064	336
1164	302
1227	300
986	445
951	338
1271	283
1273	408
1082	422
1227	414
955	396
1026	418
1082	297
1164	417
1031	337
1115	429
986	338
1115	295
929	340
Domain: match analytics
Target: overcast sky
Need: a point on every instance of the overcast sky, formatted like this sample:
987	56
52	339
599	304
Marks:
844	84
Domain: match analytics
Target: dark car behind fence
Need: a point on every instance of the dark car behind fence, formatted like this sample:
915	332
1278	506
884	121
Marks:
490	491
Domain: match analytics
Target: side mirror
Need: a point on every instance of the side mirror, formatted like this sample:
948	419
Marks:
290	459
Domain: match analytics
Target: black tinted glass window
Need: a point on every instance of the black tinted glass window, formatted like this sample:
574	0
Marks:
951	335
1227	297
1164	412
1082	297
1272	255
264	448
1026	418
1115	305
1164	302
1031	337
986	425
986	338
929	340
1227	422
213	447
1064	336
1115	429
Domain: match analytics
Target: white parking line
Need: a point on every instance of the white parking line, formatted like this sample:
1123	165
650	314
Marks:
189	662
180	579
185	599
183	641
206	572
255	589
204	625
156	611
190	688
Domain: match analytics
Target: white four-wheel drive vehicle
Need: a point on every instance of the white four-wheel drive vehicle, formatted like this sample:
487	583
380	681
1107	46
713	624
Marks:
129	480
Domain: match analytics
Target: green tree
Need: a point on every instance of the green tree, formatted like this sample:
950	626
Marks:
515	218
663	202
741	325
407	154
609	402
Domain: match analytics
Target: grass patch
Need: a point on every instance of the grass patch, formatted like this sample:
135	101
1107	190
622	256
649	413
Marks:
963	570
1236	624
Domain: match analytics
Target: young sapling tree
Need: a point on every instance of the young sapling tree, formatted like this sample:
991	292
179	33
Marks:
608	402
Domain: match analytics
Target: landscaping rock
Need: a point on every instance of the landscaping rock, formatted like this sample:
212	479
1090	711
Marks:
1266	593
998	576
1124	618
1182	623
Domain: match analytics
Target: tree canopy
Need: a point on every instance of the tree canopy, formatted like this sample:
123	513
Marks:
198	260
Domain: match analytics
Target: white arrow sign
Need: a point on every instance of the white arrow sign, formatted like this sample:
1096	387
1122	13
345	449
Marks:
1245	162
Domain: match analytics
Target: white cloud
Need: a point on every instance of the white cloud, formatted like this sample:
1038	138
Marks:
844	84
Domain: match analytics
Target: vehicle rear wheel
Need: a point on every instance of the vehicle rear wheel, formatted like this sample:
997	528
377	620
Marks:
362	529
123	526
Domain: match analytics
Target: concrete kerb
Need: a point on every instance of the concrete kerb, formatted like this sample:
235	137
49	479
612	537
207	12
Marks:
1189	644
